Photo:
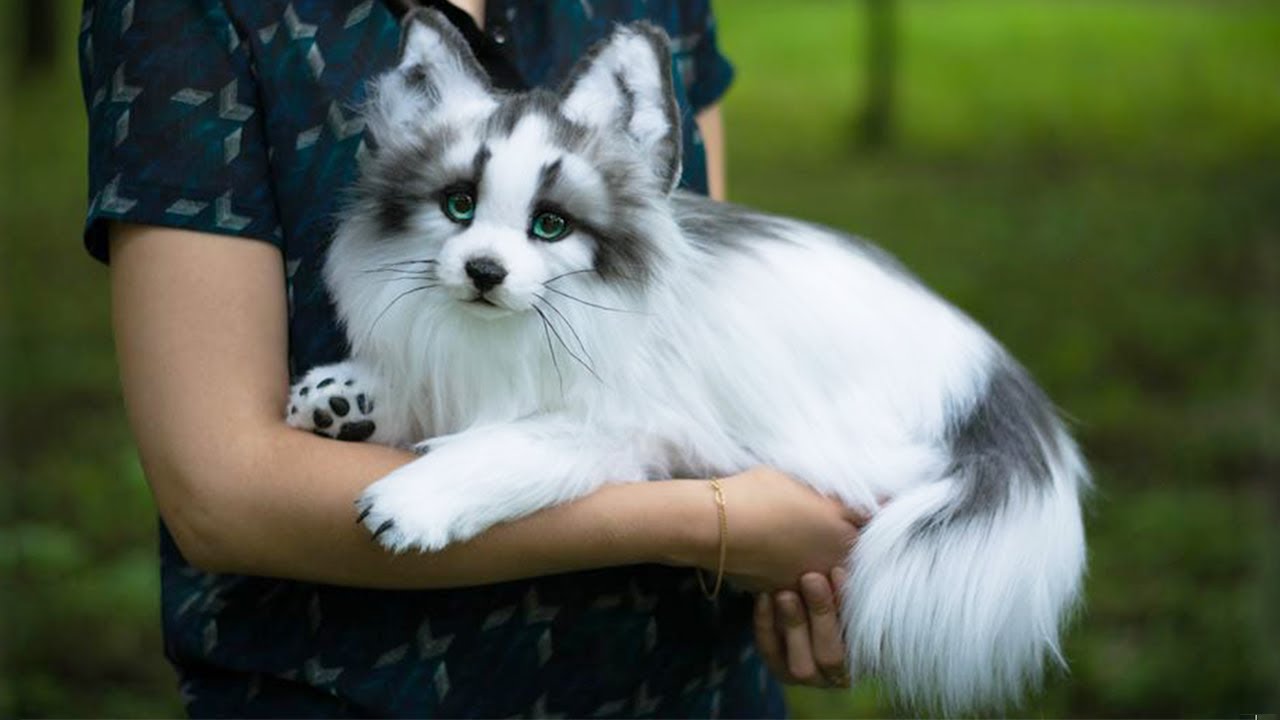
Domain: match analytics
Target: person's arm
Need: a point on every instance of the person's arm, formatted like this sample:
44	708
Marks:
711	126
200	324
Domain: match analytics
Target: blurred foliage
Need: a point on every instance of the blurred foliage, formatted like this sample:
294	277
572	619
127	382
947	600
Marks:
1097	181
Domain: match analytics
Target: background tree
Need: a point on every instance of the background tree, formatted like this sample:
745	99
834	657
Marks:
38	44
875	122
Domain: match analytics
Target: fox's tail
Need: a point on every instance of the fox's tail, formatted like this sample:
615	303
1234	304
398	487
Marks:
958	588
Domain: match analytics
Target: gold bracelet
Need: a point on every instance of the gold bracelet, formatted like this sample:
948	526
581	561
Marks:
724	543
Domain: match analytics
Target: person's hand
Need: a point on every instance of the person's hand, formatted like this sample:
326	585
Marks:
780	529
800	636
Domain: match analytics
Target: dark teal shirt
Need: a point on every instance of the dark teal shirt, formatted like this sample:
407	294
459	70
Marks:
237	118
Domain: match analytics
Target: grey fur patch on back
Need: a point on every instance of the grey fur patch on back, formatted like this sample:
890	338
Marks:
886	260
713	225
721	226
1005	440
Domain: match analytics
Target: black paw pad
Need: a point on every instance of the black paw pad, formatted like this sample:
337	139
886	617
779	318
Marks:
304	391
321	419
349	383
364	403
340	406
324	383
357	431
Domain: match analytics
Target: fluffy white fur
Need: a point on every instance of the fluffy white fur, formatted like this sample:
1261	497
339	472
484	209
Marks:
734	339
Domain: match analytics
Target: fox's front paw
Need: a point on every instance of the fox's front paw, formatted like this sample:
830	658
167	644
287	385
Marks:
407	512
333	401
450	495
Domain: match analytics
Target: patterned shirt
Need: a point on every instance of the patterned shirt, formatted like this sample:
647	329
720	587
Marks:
236	117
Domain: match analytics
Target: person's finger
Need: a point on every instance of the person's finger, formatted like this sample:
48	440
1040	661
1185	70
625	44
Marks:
839	581
826	636
795	634
767	640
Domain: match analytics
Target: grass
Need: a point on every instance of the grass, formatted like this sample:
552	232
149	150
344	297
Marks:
1095	181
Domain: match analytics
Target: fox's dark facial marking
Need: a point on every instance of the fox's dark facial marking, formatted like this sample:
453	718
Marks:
477	165
563	132
547	177
397	183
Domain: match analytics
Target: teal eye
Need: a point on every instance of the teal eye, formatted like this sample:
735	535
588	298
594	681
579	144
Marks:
549	226
460	206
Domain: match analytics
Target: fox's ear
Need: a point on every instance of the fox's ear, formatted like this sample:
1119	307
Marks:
437	78
624	84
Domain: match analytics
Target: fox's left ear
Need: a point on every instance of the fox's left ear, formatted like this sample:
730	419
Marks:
624	83
437	78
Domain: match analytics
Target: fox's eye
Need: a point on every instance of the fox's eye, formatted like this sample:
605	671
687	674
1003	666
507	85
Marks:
549	226
460	206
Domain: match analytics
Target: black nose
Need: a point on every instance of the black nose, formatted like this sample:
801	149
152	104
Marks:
485	272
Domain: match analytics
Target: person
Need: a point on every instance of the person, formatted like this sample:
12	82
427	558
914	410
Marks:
222	137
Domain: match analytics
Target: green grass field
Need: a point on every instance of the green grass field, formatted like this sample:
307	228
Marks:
1097	181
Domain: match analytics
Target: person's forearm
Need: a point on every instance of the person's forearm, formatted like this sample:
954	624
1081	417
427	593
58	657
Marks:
289	513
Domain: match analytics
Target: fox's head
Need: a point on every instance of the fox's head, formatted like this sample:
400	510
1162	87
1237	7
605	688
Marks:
495	202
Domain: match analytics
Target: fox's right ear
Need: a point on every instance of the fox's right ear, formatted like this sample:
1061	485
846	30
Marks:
437	78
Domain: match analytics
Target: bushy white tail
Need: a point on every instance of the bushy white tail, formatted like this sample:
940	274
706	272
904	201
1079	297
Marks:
955	600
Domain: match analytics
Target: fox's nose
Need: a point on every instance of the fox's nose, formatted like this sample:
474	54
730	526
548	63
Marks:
485	272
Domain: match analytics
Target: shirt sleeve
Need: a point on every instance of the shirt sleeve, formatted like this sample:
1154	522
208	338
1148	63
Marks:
706	71
175	133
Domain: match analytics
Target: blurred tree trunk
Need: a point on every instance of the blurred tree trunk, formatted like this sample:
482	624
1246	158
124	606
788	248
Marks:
875	122
39	43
